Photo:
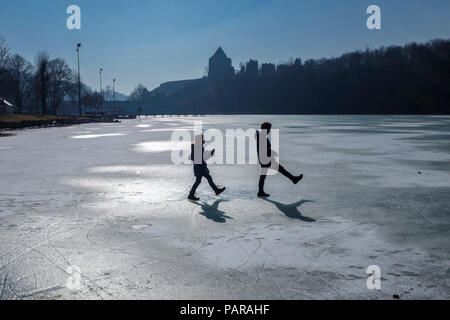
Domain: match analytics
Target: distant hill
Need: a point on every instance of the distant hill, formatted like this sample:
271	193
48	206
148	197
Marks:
172	87
121	97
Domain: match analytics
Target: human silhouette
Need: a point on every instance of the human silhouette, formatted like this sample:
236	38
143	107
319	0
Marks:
213	212
291	210
199	157
267	161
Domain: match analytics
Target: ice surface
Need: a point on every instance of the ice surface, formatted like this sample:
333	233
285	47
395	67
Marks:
106	198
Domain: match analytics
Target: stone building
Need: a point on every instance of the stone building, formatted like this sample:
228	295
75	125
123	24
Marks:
220	66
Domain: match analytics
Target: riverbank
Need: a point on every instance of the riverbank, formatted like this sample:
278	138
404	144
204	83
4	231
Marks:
21	121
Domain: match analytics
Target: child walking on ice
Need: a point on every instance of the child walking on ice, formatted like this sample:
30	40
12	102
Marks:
199	157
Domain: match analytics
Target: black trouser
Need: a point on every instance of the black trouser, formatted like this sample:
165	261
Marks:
281	170
198	180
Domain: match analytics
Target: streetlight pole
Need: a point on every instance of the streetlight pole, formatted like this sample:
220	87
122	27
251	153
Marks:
79	79
101	91
114	95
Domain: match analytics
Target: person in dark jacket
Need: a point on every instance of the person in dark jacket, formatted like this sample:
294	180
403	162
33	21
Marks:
266	159
199	157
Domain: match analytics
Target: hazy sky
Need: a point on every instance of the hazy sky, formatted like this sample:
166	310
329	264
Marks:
153	41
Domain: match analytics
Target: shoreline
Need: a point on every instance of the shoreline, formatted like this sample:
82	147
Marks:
16	122
11	122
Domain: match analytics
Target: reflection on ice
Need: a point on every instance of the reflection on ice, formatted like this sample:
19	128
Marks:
168	129
136	184
145	171
162	146
92	136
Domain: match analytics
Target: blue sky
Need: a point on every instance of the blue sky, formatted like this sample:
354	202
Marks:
153	41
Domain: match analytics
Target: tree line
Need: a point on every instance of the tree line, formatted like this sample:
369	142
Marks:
42	87
414	78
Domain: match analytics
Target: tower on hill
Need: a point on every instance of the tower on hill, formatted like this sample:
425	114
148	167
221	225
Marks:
220	66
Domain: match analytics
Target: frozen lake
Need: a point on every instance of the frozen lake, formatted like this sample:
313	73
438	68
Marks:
105	199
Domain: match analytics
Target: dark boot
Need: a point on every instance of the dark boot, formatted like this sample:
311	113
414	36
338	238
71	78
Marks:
219	190
297	179
193	197
194	188
262	194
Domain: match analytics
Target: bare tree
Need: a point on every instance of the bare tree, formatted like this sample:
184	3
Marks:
60	84
4	53
20	73
43	78
140	93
